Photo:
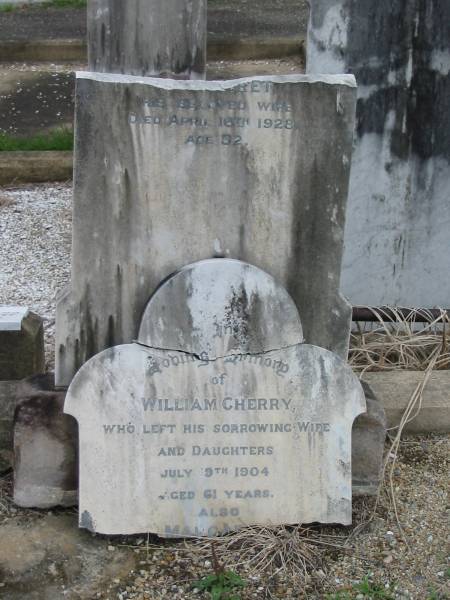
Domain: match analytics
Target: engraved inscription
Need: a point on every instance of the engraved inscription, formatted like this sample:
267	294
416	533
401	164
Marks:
204	478
223	118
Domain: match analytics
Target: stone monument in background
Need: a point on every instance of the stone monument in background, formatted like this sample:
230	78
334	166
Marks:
230	421
397	233
161	38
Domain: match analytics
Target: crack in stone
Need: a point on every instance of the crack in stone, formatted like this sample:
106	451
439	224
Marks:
211	360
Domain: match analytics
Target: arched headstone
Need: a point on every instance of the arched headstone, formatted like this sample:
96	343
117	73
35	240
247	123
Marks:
190	442
219	306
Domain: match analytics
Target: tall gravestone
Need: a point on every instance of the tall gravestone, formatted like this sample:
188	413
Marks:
148	37
255	169
243	426
396	241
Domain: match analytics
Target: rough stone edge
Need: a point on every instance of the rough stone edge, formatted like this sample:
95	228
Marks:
35	167
212	86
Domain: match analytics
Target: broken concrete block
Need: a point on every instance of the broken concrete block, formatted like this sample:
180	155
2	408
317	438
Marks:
21	343
45	450
368	436
8	395
395	389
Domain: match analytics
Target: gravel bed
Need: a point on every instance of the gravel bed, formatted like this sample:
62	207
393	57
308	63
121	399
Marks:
25	67
35	240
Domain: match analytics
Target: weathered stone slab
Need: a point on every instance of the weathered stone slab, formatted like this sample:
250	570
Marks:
368	437
21	343
176	445
11	317
192	170
395	389
11	392
396	241
215	307
8	396
148	37
45	449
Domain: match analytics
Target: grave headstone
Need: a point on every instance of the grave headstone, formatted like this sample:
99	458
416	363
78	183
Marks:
21	343
254	169
148	37
219	306
191	443
396	240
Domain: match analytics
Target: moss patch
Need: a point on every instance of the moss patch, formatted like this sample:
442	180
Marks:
59	139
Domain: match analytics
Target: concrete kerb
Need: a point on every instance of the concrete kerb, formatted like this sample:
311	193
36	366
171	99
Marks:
35	167
219	48
394	390
44	51
254	48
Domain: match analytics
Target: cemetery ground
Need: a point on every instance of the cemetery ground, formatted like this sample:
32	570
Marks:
396	548
37	91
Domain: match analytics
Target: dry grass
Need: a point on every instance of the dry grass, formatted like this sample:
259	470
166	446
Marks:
6	503
295	550
6	200
405	343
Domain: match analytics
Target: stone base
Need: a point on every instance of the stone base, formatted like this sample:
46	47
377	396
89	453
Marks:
45	450
368	436
22	350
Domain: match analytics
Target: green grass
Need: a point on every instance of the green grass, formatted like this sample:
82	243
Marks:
65	3
369	589
221	585
47	4
59	139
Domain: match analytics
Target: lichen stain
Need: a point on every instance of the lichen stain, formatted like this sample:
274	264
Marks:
419	94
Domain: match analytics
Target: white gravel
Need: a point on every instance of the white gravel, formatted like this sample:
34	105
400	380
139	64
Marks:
35	239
